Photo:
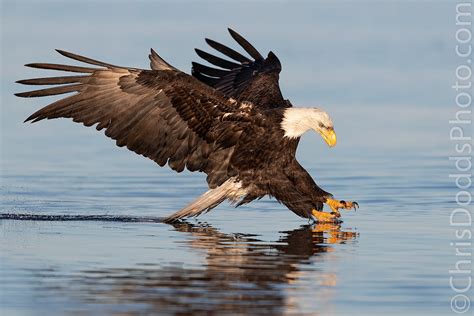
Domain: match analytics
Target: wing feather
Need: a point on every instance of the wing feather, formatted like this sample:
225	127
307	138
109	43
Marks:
229	52
158	63
85	59
61	67
162	114
54	80
209	71
50	91
217	61
255	81
245	45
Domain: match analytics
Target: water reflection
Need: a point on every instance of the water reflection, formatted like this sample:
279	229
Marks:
241	274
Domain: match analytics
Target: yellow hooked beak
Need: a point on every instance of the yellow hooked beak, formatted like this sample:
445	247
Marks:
329	136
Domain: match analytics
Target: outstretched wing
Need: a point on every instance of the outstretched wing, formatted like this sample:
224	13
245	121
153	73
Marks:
162	114
253	79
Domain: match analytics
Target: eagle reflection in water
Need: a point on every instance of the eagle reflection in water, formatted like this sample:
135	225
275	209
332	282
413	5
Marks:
241	274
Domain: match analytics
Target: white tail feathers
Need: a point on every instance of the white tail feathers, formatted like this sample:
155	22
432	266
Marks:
228	190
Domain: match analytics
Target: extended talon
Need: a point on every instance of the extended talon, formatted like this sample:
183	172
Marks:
350	205
356	206
324	217
335	205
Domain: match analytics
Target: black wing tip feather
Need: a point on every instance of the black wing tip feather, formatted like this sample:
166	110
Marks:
209	71
252	51
152	54
239	71
216	61
273	62
32	65
61	51
29	119
212	43
86	60
229	52
21	94
35	117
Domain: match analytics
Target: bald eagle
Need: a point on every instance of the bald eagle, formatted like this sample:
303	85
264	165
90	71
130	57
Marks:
230	122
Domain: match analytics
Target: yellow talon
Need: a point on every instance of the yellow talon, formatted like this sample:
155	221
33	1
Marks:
323	217
335	205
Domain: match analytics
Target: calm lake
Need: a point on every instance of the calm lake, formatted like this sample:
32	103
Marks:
384	73
390	257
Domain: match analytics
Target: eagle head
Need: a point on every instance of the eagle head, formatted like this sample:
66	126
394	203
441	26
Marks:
297	121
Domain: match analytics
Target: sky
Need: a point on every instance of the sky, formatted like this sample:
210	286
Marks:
382	69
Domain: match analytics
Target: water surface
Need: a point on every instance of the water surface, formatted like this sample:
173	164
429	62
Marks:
255	259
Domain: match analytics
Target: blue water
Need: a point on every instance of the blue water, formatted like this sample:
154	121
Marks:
390	256
377	68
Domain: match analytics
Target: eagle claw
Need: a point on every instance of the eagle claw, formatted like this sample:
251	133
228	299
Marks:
335	205
356	206
350	205
323	217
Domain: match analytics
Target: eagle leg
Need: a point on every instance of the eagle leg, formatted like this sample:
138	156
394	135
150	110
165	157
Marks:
335	205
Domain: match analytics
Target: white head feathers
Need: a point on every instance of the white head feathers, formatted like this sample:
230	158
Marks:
297	121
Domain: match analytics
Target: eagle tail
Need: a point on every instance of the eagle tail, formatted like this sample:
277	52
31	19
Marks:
228	190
